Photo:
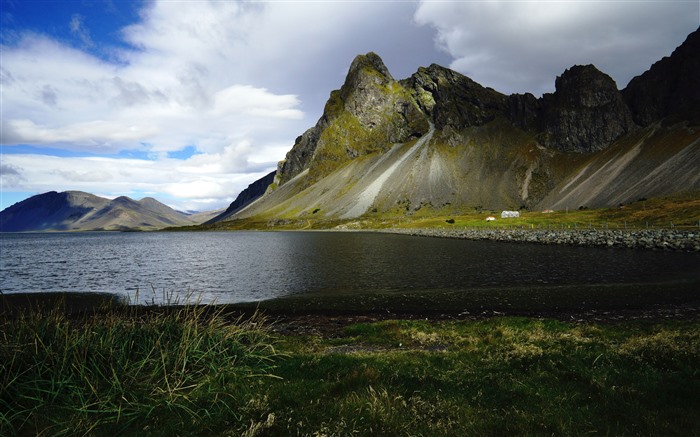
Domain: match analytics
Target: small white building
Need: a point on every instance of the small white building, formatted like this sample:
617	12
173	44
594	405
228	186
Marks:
510	214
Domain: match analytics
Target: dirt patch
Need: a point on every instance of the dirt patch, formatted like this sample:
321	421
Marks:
333	326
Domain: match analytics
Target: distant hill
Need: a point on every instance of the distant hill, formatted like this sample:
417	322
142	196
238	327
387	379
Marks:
440	143
79	211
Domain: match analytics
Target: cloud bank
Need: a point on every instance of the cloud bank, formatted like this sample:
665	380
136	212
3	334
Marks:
223	79
521	46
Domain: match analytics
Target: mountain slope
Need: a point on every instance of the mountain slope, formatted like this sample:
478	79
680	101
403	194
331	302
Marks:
657	161
439	142
75	210
245	197
49	211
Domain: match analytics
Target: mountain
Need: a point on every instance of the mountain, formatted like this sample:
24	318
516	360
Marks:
670	86
438	142
75	210
247	196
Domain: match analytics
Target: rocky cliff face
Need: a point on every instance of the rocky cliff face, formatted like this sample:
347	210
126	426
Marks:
586	113
367	114
670	86
440	141
452	100
524	111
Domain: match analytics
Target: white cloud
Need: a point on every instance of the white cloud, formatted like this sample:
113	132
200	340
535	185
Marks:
209	180
198	188
176	90
10	175
78	28
522	46
245	99
84	176
97	134
223	77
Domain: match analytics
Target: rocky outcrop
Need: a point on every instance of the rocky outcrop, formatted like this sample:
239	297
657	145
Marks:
586	113
452	100
300	155
368	113
524	111
246	197
670	86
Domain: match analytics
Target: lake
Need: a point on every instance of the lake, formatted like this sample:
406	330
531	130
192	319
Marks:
229	267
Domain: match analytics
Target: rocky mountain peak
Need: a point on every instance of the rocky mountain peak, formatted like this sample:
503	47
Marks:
367	114
586	113
453	100
367	90
368	65
584	86
670	86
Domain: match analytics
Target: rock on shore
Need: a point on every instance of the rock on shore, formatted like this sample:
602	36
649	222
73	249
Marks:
656	239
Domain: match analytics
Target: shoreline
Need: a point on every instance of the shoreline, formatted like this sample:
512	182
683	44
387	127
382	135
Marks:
647	239
579	303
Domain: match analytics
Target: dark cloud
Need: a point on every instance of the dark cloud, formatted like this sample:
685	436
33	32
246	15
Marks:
523	46
48	96
11	175
131	93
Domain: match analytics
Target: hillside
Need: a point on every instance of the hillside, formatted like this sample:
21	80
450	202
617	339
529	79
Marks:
438	142
78	211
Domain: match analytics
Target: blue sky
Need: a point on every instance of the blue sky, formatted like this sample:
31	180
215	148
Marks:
90	25
191	101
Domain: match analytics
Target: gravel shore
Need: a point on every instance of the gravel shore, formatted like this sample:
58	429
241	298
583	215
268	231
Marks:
650	239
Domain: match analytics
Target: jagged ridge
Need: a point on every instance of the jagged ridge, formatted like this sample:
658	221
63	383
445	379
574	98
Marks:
585	144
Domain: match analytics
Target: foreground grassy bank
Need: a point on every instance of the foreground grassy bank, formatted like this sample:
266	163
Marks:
205	371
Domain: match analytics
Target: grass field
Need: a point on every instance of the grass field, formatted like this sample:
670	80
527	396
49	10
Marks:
680	211
202	371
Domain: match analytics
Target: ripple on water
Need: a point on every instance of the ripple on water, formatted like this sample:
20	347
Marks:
245	266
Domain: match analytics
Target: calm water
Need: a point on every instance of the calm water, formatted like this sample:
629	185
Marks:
248	266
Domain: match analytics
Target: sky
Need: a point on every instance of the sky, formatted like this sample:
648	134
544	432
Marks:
189	101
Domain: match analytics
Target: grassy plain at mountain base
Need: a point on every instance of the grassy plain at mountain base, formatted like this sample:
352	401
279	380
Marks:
682	210
190	371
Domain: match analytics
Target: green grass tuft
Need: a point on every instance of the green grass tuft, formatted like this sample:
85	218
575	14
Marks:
128	371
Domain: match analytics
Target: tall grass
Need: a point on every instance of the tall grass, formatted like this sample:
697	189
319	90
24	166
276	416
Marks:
192	371
128	371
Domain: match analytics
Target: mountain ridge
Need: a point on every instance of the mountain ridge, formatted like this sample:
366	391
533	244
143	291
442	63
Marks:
586	144
80	211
